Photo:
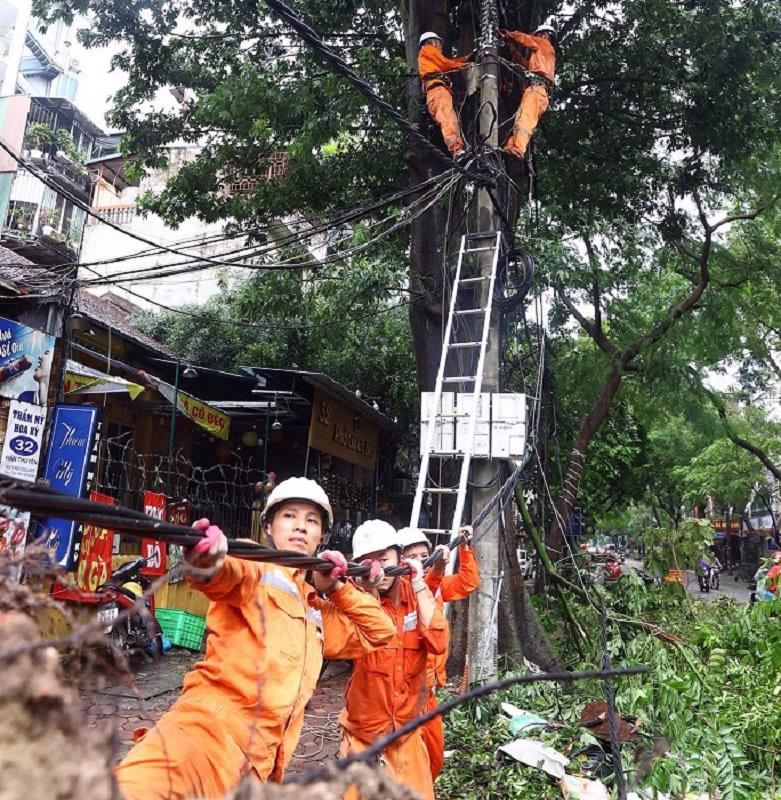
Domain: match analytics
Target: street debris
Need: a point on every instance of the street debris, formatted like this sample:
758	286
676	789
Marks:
536	754
521	720
575	788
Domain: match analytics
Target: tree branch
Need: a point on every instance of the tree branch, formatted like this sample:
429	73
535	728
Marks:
594	331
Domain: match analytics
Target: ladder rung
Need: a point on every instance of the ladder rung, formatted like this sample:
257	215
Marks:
478	250
480	235
475	280
466	311
435	530
452	414
462	345
459	379
440	490
447	453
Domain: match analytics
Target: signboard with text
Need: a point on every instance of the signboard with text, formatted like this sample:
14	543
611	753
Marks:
211	419
339	431
22	445
178	514
95	551
155	504
70	444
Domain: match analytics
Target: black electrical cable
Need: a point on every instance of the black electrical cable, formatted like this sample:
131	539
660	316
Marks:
501	302
377	747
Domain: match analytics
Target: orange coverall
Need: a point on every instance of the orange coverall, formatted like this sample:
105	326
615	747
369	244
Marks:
242	707
446	589
534	101
432	68
388	689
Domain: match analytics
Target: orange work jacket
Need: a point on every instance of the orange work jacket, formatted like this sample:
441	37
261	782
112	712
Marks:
268	633
433	67
446	589
388	686
543	56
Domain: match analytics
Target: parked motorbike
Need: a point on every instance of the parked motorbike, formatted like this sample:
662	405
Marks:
648	580
704	581
138	631
715	577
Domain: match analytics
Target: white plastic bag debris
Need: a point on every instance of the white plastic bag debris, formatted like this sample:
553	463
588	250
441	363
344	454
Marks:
536	754
574	788
521	720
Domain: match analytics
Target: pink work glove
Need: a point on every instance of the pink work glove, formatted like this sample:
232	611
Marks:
204	559
376	573
329	582
339	562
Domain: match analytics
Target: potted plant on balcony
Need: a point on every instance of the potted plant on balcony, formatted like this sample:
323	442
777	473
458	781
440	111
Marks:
38	135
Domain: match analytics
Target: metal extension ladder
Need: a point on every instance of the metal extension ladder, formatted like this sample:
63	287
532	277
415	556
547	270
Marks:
471	245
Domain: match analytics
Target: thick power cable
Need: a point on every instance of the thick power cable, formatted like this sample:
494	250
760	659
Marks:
340	66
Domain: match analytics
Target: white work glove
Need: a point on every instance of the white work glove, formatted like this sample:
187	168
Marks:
445	550
416	573
467	531
205	559
376	575
329	581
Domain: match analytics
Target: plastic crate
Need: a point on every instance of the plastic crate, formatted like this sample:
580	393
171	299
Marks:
181	627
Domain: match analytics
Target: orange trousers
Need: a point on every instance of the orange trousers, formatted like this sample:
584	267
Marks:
406	761
187	754
439	101
534	103
434	739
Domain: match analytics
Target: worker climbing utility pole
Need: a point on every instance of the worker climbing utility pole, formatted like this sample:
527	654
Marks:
482	621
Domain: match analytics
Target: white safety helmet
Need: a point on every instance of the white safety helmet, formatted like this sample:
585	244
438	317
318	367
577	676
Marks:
372	536
546	28
298	489
410	536
424	37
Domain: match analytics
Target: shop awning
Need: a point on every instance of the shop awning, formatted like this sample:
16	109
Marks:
81	380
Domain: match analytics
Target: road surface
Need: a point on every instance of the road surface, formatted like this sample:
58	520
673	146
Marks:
729	587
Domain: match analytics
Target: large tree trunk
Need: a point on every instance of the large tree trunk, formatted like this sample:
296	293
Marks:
588	428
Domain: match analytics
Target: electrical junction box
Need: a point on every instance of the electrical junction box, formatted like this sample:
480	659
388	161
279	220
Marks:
500	430
482	441
508	425
444	435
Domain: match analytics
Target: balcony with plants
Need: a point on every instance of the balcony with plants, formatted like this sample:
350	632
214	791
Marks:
54	151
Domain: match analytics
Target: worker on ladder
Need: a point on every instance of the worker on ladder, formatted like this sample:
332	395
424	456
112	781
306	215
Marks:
434	68
388	687
541	73
242	708
446	589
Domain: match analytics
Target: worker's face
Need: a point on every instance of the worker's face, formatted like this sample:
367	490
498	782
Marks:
418	551
296	525
388	558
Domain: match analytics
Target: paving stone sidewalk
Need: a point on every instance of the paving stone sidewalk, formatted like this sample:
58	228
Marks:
122	705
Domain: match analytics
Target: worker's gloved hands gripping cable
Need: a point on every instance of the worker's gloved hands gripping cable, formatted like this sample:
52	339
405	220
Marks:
329	582
203	561
416	573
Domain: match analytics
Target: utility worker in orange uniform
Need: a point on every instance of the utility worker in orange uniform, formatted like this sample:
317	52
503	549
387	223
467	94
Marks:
388	687
446	589
433	68
541	65
242	707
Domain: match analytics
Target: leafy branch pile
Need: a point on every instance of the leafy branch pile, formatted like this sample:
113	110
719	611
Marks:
708	710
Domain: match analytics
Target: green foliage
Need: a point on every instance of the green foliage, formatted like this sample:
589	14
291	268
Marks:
708	705
676	548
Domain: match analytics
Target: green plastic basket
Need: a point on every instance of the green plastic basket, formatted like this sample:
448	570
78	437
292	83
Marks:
181	627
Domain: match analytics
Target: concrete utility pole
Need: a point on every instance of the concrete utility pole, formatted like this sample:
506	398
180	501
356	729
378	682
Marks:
482	633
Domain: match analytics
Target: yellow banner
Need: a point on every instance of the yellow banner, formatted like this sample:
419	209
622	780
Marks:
209	418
